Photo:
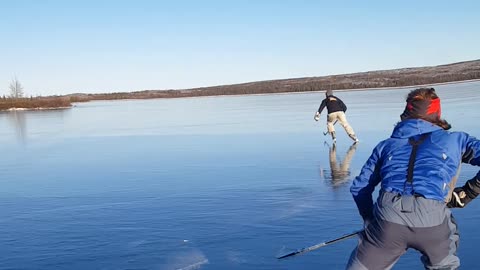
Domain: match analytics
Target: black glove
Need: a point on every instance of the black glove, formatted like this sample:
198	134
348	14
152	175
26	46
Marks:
461	196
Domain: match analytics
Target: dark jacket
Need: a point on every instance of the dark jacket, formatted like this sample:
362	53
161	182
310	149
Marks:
435	168
333	104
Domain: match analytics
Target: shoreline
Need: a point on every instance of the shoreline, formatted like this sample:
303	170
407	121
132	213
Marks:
35	109
403	87
232	95
368	89
317	91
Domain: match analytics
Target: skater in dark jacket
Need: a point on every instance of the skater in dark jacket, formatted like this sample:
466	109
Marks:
417	168
336	112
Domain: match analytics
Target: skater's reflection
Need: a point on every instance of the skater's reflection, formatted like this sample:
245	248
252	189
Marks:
339	172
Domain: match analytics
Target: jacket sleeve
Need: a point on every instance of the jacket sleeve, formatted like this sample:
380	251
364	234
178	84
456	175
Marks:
364	184
471	154
322	106
344	107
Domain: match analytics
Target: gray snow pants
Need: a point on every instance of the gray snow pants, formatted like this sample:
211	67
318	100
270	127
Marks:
407	222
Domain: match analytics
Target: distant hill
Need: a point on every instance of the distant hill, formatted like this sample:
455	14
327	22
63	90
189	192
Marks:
461	71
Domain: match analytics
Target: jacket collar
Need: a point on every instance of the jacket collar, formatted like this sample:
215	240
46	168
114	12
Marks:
411	127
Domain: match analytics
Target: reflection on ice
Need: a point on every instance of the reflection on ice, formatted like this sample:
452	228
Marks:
339	173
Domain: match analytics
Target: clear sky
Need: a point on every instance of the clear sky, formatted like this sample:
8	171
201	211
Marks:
61	47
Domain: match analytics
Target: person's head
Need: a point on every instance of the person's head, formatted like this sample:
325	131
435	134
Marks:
423	103
329	93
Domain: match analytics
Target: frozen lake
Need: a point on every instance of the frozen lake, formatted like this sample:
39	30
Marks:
200	183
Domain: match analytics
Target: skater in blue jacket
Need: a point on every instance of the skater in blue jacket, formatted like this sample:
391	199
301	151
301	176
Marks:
417	168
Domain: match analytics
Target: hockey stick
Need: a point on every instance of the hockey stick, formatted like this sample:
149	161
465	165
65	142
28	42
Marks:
326	132
317	246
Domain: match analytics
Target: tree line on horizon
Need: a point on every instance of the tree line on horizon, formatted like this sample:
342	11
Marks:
17	99
373	79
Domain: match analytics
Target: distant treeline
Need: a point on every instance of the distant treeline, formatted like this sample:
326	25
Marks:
35	103
375	79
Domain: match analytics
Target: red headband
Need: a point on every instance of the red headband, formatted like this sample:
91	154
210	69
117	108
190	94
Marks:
435	107
422	108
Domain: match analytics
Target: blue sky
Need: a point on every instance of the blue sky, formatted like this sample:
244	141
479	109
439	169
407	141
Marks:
61	47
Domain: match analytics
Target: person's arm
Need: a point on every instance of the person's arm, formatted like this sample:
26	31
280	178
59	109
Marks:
471	154
322	106
320	109
461	196
364	184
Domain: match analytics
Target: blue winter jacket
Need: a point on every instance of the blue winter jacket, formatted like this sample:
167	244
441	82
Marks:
436	165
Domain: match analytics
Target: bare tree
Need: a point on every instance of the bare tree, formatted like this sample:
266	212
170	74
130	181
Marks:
16	88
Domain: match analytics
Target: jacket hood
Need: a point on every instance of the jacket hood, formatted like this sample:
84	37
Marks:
411	127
